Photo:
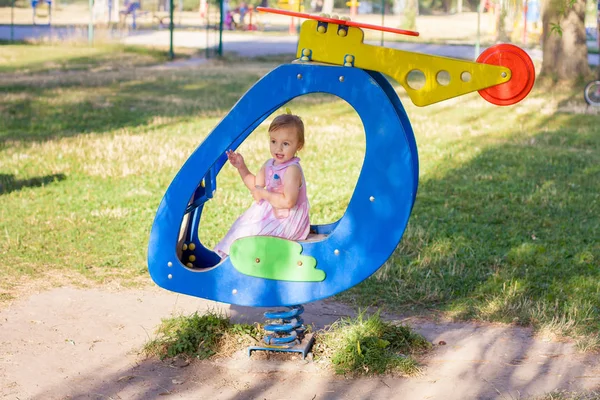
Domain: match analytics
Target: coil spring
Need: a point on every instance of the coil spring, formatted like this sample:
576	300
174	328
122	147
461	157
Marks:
286	326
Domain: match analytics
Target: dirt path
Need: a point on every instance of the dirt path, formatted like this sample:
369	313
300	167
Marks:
71	343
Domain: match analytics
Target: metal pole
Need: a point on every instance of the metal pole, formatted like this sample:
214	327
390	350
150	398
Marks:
525	22
12	21
91	24
478	30
220	48
171	28
298	23
292	26
180	12
598	37
382	14
206	50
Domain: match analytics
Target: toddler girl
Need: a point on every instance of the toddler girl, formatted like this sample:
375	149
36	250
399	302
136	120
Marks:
279	189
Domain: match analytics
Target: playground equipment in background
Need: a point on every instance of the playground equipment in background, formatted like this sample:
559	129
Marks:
591	93
35	15
236	19
291	5
274	272
106	11
294	6
132	9
163	11
353	4
532	18
522	23
528	24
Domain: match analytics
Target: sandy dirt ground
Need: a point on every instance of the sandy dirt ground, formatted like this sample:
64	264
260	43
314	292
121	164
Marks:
70	343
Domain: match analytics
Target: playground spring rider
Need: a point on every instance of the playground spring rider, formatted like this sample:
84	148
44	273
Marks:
264	271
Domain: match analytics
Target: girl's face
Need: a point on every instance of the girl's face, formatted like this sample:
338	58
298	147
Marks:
284	144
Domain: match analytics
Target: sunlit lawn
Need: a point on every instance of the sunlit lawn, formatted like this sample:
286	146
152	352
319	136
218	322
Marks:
30	59
505	226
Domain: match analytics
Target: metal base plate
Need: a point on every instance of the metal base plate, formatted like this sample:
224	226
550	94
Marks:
303	347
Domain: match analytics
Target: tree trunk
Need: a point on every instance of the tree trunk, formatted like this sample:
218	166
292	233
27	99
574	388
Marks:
501	33
565	55
447	5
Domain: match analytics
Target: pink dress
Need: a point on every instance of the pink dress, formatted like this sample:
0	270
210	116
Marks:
261	219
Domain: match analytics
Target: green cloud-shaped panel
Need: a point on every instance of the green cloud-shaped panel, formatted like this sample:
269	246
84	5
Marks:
274	258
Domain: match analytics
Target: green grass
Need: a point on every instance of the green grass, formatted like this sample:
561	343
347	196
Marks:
505	226
564	395
365	345
198	336
33	58
368	345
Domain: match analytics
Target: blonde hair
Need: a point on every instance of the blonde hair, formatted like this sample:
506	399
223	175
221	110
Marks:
285	120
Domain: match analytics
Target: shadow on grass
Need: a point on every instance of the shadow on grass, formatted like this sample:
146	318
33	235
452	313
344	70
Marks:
7	42
63	106
512	235
9	184
78	107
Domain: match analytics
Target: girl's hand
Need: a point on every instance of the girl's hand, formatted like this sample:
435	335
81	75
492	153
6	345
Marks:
258	194
235	159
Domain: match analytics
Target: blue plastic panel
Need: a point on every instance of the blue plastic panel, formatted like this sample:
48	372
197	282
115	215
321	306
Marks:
360	242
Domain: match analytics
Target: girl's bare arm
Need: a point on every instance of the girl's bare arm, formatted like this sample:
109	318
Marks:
291	190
